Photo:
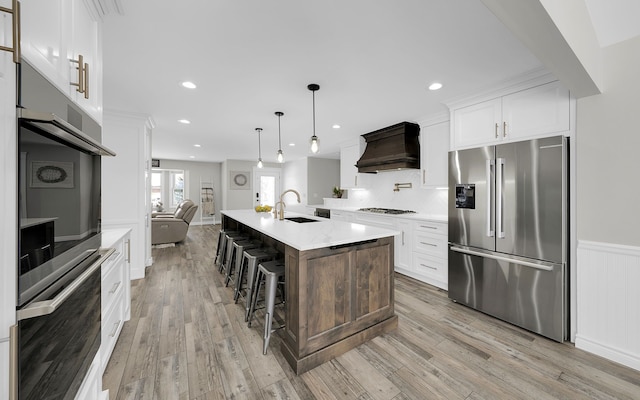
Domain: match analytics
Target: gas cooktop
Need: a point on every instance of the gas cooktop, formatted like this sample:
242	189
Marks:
386	210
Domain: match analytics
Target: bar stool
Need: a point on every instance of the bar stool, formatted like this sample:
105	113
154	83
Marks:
270	273
235	257
222	242
250	258
226	251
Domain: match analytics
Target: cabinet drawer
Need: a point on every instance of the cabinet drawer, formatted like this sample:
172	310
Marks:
432	267
112	323
112	283
432	227
374	220
430	243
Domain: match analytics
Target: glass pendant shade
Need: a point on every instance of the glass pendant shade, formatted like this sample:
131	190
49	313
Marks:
314	143
280	156
259	130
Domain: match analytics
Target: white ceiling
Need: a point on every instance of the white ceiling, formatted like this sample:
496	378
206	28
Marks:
373	60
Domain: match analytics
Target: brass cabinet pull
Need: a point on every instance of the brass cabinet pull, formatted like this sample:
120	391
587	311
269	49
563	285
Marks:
83	76
15	12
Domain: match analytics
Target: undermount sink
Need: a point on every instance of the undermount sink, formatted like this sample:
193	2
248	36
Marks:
301	219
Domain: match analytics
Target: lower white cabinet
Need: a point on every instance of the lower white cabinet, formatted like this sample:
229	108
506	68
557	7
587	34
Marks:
340	215
430	253
91	388
116	291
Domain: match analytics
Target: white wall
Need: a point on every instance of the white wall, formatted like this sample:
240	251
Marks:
607	146
199	172
295	176
322	175
608	189
237	199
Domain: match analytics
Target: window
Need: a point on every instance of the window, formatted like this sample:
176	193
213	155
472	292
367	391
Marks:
167	189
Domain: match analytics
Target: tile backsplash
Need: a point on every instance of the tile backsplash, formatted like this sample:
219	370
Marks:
377	191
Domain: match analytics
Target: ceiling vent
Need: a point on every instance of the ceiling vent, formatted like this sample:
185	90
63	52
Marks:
390	149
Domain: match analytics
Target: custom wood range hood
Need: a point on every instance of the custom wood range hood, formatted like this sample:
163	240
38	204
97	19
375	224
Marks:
391	148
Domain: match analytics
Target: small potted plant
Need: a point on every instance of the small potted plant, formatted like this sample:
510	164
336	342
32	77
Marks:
337	192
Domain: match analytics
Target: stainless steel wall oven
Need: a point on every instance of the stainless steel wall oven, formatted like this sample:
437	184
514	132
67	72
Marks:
58	332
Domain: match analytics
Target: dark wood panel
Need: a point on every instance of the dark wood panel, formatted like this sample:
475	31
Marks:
373	280
328	293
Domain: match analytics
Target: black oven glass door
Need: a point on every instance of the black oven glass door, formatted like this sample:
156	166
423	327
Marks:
59	335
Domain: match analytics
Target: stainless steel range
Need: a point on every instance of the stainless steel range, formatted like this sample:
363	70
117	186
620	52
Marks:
386	210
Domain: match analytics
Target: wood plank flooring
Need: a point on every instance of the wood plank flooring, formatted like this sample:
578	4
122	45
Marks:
188	340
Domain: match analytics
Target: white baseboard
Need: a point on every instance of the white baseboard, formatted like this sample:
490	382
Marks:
608	301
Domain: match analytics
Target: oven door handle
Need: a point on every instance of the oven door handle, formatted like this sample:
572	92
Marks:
47	307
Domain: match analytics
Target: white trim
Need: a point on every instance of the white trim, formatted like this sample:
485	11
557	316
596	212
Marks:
608	301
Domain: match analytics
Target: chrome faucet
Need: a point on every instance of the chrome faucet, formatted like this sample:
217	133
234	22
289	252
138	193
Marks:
282	205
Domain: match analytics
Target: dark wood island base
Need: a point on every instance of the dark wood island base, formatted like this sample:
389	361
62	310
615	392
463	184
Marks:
338	297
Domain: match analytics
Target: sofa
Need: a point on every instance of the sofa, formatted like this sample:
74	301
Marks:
172	227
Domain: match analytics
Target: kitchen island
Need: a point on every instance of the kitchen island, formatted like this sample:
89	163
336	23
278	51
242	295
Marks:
339	282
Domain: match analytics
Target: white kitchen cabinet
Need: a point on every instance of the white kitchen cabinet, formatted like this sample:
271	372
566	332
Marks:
8	205
91	387
45	29
116	291
126	178
543	110
340	215
403	245
434	150
86	40
54	33
430	253
349	156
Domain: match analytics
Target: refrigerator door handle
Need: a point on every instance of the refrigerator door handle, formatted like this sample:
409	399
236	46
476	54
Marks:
499	211
490	230
543	267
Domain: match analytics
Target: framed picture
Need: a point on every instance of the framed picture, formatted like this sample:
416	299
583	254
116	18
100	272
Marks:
239	180
51	174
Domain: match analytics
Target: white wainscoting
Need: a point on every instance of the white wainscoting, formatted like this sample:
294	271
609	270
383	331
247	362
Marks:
608	297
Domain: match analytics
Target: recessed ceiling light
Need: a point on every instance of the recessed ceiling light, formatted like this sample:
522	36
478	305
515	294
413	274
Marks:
192	156
184	121
435	86
292	144
196	145
189	85
335	126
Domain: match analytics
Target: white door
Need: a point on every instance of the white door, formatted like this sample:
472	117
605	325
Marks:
266	186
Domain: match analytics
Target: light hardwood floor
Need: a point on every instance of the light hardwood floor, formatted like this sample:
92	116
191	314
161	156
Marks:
187	340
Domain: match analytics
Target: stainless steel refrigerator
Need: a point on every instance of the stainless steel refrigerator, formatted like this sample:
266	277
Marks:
508	232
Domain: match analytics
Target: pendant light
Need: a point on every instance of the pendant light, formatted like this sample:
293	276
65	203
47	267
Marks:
259	130
314	139
280	155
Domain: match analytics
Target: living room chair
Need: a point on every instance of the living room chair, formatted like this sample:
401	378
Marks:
172	227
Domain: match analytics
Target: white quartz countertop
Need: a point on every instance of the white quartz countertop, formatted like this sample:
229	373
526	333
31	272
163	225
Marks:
310	235
411	216
111	236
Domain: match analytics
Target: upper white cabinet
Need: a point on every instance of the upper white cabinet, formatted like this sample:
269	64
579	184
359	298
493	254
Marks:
434	150
539	111
64	43
349	155
44	27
